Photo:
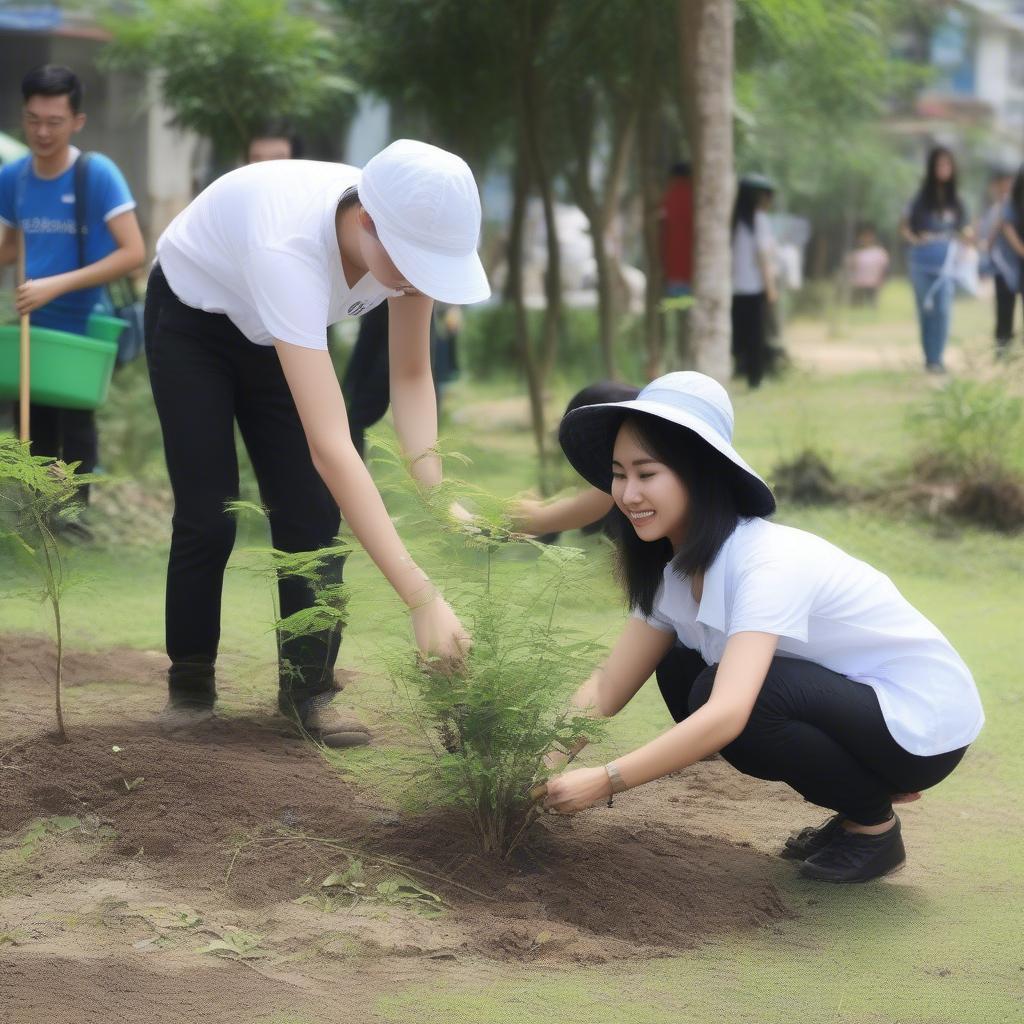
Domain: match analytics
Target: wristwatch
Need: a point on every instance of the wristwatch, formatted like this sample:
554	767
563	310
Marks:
618	785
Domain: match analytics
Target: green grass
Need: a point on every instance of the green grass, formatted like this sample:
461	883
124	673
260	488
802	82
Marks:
939	951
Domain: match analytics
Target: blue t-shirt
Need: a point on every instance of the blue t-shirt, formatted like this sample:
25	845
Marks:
45	210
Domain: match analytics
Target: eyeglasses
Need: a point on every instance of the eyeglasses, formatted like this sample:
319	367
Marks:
53	123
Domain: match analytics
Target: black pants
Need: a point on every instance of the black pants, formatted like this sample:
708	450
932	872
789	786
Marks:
206	375
66	434
820	733
366	384
1006	301
750	336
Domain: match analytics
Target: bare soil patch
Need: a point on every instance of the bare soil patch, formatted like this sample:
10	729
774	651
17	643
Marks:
188	839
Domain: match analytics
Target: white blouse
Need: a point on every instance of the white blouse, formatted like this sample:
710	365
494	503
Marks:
832	609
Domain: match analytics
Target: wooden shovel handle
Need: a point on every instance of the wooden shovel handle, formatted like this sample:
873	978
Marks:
24	356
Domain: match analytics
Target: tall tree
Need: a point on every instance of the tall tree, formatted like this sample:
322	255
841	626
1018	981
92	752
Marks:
706	60
226	67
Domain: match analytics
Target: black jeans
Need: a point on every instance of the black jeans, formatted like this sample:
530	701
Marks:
67	434
750	336
1006	301
206	375
822	734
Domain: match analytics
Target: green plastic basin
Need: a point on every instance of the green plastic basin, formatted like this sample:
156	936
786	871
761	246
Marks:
67	370
106	328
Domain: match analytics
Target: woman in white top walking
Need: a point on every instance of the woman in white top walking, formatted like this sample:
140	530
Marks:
247	281
821	674
753	277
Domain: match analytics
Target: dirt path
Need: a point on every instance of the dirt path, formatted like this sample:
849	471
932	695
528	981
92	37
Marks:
126	852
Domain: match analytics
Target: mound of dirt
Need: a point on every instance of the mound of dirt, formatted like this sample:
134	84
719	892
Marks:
229	819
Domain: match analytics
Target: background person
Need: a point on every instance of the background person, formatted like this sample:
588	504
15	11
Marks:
273	143
37	196
821	674
248	279
934	219
866	267
753	277
1006	193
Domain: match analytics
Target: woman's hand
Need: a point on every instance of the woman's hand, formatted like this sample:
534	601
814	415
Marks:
577	790
439	633
528	515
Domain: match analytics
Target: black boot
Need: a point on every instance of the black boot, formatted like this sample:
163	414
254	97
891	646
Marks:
191	694
857	856
317	717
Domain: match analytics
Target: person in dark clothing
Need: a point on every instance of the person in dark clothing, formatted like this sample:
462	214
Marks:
753	278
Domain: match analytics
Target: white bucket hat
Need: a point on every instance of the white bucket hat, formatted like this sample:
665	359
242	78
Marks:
691	400
426	209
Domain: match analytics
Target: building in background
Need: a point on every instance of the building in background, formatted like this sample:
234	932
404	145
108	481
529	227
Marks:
975	97
124	117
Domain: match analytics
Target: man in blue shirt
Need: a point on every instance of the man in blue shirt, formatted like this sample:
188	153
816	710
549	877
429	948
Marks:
37	196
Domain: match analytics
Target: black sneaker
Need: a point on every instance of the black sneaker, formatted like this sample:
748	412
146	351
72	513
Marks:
857	857
808	841
321	721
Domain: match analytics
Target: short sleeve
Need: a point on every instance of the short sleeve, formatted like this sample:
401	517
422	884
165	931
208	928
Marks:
290	297
772	596
655	620
108	191
8	214
763	240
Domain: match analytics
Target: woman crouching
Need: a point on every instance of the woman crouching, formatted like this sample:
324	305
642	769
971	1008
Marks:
820	674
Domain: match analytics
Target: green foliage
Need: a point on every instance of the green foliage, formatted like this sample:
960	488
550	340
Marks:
235	944
230	66
971	427
814	80
36	495
487	344
489	723
320	569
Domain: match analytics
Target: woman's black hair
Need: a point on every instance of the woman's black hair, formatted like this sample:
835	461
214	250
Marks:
601	393
748	198
713	510
936	195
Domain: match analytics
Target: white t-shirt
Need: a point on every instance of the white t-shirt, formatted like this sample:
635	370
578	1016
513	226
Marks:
830	608
747	278
260	246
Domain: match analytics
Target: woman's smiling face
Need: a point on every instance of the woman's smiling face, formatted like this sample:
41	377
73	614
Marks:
649	494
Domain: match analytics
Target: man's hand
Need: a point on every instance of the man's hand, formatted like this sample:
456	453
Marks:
31	295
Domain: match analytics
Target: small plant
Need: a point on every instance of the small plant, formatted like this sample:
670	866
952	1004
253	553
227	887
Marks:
235	944
489	723
321	571
970	427
37	495
353	886
807	479
972	439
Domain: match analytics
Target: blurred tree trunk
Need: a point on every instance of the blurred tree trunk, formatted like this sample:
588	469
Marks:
706	57
651	182
600	205
534	18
